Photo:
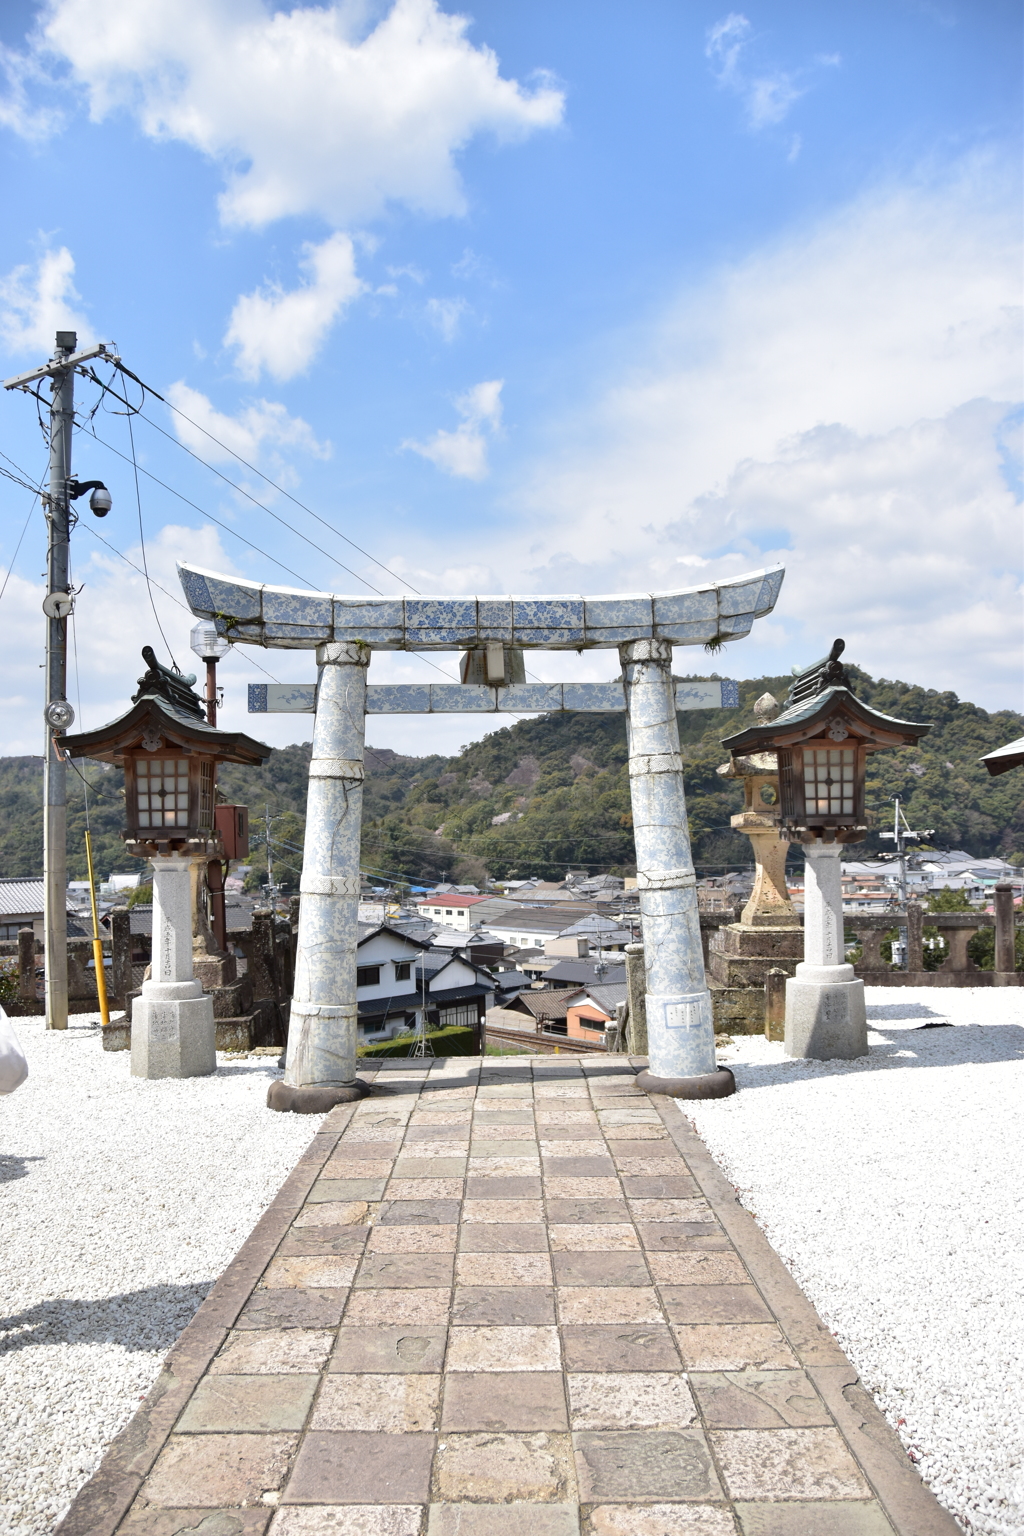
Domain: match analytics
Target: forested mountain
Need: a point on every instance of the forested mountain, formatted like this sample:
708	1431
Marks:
560	783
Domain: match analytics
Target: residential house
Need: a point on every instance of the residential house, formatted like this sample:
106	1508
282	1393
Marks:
21	906
542	1011
594	971
397	974
532	927
459	911
591	1009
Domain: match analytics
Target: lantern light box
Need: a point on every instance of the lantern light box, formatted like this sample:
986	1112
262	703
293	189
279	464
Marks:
169	754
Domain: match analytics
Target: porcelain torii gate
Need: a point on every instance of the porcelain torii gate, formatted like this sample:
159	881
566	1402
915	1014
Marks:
345	631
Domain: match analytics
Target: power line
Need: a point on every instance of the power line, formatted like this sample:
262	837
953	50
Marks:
203	513
10	568
227	529
234	651
279	488
142	542
262	505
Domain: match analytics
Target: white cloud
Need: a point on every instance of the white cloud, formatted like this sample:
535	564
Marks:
463	453
445	315
36	303
837	401
262	424
307	112
29	118
282	332
767	95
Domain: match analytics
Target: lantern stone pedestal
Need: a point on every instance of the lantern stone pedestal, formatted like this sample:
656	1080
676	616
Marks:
825	1014
173	1032
768	936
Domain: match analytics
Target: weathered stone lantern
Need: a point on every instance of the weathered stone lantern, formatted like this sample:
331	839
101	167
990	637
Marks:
749	960
170	755
822	741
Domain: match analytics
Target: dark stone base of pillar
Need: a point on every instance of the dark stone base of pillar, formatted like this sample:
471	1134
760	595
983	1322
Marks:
710	1085
313	1101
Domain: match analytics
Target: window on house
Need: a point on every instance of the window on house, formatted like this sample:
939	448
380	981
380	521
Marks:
402	970
466	1014
447	911
367	975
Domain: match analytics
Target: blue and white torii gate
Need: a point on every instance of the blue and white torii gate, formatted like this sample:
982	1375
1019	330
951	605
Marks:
345	631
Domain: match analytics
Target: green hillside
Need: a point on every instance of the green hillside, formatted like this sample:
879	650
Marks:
562	782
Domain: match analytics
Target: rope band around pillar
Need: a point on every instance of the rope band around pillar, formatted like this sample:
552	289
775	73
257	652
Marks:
646	650
644	764
348	768
666	880
329	885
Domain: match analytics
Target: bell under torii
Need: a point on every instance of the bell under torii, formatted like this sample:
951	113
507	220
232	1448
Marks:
345	631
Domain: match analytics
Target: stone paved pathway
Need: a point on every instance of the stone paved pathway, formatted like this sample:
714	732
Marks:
495	1300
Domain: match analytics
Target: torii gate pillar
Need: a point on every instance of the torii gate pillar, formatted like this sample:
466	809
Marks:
320	1069
680	1028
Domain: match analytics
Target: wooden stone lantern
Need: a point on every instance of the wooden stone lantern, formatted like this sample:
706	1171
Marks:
822	741
170	755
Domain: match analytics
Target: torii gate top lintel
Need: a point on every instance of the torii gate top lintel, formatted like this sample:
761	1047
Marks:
289	618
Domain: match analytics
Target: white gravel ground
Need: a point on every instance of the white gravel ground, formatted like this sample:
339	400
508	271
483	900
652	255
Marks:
120	1203
893	1188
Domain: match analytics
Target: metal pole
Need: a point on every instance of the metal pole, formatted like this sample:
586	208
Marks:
211	690
97	942
55	859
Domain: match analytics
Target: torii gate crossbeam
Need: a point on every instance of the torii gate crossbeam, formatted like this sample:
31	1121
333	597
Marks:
344	631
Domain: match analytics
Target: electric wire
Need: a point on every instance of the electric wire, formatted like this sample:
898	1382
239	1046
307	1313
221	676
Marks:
203	512
142	542
280	489
138	411
235	651
139	468
263	506
17	547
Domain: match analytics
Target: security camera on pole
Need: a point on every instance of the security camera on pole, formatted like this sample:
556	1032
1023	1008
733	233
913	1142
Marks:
57	606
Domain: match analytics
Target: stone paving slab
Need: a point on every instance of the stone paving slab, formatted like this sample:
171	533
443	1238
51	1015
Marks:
507	1298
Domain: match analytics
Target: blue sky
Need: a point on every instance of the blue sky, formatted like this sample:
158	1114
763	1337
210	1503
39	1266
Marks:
550	298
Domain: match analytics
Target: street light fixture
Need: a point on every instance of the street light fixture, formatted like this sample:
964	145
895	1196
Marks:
211	648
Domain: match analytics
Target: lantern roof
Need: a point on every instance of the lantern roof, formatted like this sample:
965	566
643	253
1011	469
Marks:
166	713
818	697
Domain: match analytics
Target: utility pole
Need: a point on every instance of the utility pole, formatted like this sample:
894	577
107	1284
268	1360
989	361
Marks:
901	835
270	859
57	606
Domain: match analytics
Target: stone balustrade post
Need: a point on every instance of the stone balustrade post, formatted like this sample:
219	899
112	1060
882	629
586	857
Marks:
1005	956
173	1033
636	990
870	948
680	1029
320	1069
957	958
27	964
121	978
825	1012
915	936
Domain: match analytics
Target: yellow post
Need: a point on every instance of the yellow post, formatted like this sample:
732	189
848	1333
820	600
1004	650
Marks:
97	942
